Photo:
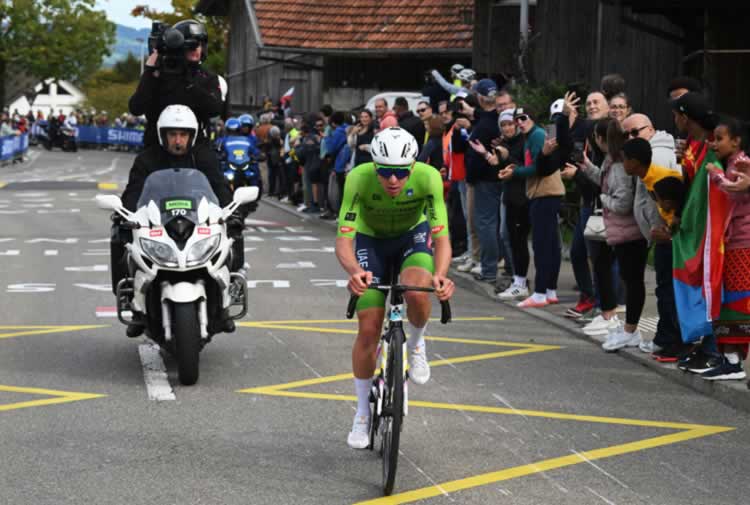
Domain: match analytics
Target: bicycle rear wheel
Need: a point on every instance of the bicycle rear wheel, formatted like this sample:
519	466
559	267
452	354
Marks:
394	411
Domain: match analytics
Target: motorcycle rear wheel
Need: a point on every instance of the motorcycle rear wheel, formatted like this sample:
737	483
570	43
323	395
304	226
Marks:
187	341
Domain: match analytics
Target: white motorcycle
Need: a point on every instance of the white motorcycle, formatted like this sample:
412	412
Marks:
179	284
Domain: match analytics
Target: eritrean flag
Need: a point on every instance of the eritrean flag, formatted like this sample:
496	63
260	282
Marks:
698	249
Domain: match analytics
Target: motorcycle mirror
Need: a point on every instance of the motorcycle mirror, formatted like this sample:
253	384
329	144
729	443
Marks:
153	213
108	202
245	194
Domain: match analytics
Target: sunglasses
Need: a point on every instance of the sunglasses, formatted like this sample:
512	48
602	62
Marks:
634	132
522	118
387	172
419	111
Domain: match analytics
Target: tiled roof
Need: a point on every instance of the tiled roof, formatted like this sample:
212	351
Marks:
366	24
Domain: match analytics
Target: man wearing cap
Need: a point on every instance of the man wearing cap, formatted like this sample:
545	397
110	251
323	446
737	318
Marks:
487	188
693	116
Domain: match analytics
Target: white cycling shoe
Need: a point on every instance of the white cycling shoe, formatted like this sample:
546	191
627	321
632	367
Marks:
419	368
359	437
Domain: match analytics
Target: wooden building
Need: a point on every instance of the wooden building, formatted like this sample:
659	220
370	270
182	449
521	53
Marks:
649	42
338	52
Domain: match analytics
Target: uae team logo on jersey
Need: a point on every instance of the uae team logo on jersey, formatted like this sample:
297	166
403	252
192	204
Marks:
409	192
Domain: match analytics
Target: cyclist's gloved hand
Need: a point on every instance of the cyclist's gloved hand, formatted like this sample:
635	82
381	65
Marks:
444	287
358	283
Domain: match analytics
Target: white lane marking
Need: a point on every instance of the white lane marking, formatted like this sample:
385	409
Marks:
31	287
37	205
92	268
155	373
51	252
72	194
329	283
7	239
95	287
54	240
600	469
292	250
274	284
260	222
296	265
96	252
249	238
608	502
59	211
249	249
10	252
301	238
99	241
110	168
13	211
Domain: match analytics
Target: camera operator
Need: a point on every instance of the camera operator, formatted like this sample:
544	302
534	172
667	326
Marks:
173	75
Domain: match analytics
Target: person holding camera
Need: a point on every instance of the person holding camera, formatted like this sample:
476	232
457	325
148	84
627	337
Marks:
173	75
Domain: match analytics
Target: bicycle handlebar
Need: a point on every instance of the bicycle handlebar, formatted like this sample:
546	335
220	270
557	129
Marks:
445	307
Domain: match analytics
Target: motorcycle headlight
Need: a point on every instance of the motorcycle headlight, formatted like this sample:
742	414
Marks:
230	176
160	252
202	250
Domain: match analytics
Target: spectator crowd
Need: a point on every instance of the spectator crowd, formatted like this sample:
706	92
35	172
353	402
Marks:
642	197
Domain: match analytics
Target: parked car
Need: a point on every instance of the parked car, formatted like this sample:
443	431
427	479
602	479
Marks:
413	98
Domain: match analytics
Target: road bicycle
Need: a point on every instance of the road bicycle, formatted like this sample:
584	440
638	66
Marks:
389	398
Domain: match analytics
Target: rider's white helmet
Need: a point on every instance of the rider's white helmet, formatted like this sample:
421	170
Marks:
177	117
394	147
467	75
456	68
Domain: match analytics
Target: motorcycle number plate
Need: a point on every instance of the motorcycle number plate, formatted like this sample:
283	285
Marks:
202	230
156	233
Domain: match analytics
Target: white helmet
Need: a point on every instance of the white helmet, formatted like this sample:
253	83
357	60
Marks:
178	117
394	147
456	68
467	75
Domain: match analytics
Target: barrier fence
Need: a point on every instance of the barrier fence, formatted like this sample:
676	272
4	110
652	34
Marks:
110	136
13	146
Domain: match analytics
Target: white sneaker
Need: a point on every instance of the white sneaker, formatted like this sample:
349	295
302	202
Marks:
617	339
301	207
647	346
621	309
468	265
514	292
284	200
359	437
476	269
460	259
598	323
419	368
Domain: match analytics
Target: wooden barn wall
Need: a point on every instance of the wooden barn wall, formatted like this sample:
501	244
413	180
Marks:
564	49
250	78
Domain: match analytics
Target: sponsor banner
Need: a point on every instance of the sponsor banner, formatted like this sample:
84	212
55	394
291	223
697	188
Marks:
13	146
97	135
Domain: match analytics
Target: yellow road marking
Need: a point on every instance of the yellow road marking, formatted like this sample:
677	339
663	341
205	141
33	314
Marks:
2	185
543	466
107	185
42	330
58	397
686	431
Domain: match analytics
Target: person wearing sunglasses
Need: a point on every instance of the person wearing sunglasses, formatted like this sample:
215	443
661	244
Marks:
394	216
424	111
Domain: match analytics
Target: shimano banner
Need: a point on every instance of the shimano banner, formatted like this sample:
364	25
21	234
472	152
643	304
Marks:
112	136
14	146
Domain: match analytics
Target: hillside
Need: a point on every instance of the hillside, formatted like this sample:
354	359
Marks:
125	42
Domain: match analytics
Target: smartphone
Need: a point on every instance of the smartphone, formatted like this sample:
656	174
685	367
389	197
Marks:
576	155
551	130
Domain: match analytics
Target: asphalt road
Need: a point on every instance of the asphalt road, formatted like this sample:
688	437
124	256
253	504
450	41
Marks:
517	412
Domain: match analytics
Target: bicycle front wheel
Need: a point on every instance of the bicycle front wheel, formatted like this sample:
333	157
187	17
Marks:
394	411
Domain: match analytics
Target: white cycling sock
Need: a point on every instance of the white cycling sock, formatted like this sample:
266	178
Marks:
551	293
519	281
732	357
416	335
362	387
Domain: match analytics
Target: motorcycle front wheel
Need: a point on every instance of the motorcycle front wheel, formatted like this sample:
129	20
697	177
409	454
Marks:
186	336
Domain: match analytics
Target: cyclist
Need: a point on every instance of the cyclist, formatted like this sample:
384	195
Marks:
391	212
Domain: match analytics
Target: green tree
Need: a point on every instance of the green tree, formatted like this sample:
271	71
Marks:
216	26
112	97
61	39
128	70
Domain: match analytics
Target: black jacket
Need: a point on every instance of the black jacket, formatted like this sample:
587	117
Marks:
432	153
197	88
484	130
411	123
154	158
514	189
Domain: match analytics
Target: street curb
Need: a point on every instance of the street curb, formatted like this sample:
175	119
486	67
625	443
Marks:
732	393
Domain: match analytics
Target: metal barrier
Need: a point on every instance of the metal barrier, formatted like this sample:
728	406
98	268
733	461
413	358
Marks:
13	146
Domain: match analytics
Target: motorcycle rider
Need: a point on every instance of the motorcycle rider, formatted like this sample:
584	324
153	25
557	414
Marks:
190	84
177	131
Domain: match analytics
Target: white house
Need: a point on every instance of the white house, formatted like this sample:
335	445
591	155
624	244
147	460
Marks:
61	95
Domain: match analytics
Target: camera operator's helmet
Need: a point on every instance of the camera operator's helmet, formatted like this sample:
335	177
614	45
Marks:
176	117
456	68
195	34
232	126
467	75
394	147
246	120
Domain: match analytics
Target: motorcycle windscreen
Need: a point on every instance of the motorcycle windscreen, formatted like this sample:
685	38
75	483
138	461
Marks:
177	193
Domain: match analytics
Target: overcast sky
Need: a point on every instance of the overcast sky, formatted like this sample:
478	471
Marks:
118	11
